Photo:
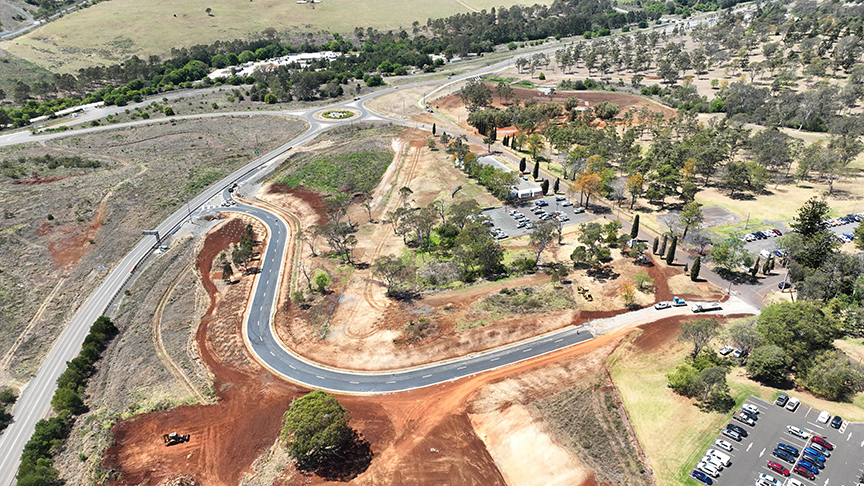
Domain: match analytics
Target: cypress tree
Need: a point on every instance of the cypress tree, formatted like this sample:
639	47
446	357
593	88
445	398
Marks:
670	257
522	165
656	243
634	232
536	172
556	186
545	186
663	246
694	272
433	129
755	267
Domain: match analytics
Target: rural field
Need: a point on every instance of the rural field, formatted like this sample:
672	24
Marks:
153	27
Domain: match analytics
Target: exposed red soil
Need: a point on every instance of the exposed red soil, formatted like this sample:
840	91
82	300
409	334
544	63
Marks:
311	197
40	180
226	438
625	101
68	249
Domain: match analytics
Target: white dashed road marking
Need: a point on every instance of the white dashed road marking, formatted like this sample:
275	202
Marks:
749	446
761	453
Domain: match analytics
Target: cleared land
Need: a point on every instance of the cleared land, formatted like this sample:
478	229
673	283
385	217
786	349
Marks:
130	27
62	225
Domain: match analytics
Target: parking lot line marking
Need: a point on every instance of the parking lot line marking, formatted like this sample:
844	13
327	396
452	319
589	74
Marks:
815	425
850	436
761	453
749	446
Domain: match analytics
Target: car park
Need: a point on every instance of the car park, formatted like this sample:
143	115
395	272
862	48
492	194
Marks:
777	467
701	476
837	422
723	444
797	432
792	404
781	400
741	431
821	441
781	454
804	472
732	435
788	448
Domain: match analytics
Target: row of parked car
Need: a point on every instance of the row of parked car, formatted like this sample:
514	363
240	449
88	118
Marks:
714	461
849	218
807	462
761	235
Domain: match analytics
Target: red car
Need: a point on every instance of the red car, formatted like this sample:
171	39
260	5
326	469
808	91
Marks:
805	472
824	443
778	467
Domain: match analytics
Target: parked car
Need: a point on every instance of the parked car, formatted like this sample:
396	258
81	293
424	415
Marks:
788	448
813	460
738	429
823	442
823	417
560	198
750	414
818	448
797	432
713	461
662	305
743	417
792	404
777	232
837	422
770	479
701	476
804	472
579	210
566	204
723	444
782	399
737	353
732	435
784	286
708	469
778	467
541	203
724	458
781	454
726	350
809	466
751	408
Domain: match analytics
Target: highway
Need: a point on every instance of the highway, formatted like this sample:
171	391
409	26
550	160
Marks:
34	402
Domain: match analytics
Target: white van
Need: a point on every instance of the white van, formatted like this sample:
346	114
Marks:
714	461
724	459
792	404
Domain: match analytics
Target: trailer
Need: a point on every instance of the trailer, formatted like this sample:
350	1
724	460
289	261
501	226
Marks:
705	307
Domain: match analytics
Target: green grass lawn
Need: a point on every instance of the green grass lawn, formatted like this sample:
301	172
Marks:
361	171
109	32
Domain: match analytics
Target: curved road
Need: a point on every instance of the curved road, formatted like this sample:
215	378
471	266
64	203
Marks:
34	402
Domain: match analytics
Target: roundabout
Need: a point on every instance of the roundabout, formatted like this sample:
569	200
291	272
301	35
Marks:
336	115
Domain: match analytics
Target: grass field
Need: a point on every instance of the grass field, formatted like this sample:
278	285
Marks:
111	31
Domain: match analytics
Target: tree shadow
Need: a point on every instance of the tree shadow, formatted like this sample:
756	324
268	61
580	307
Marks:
353	459
603	273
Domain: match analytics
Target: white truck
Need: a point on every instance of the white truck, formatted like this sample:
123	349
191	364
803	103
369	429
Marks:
705	307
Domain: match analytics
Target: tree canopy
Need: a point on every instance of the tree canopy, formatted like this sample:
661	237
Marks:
315	429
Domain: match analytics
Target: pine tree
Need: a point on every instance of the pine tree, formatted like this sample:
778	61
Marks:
634	232
656	243
670	257
433	129
663	246
536	172
556	186
694	272
522	165
545	186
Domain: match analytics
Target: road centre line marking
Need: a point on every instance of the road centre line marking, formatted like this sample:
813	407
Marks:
494	359
461	368
526	350
292	367
271	353
391	382
559	340
321	377
425	376
354	382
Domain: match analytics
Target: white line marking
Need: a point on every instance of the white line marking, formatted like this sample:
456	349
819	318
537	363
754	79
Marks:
271	353
526	350
850	436
761	453
425	376
354	382
559	340
292	367
391	382
461	368
321	377
749	446
494	359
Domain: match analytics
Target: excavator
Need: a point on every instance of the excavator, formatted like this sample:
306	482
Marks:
174	438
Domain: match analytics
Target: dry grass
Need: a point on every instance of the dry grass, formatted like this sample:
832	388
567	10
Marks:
135	27
148	172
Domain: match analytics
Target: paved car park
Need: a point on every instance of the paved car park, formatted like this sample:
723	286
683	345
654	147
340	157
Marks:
750	457
510	225
769	244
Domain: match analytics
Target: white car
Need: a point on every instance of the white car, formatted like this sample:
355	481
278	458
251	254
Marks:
566	204
708	469
751	408
796	431
560	198
823	418
578	210
709	459
770	479
825	452
723	444
662	305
